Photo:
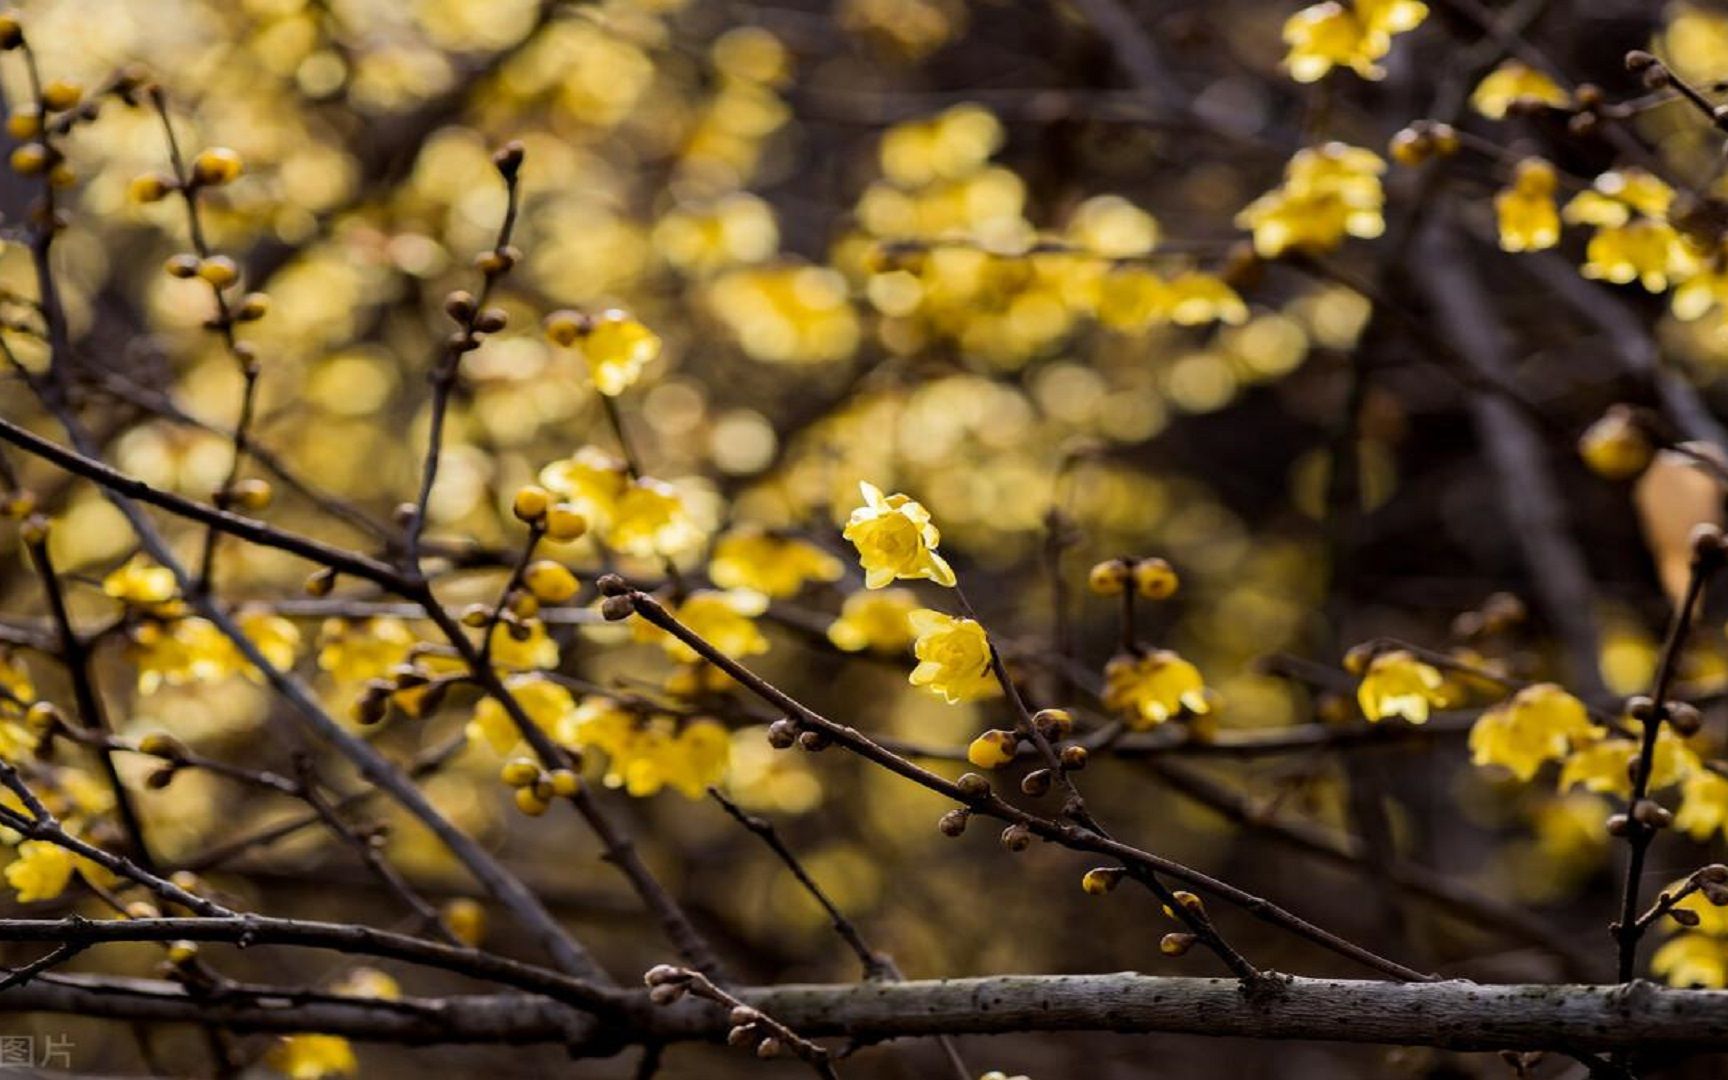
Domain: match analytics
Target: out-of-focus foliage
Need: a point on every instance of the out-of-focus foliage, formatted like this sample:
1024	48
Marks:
887	341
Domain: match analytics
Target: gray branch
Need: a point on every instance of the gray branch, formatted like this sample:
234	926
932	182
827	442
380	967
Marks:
1454	1015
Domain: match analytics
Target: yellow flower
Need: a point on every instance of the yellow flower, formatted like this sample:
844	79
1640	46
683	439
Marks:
953	657
1539	723
277	638
616	348
649	519
1645	251
141	582
600	723
1615	446
1528	218
1703	804
1514	83
175	652
1601	765
40	872
879	621
355	651
644	756
895	539
1398	684
551	707
776	566
534	649
722	619
313	1057
1332	34
1196	298
643	517
698	759
368	982
1329	192
1153	688
1692	959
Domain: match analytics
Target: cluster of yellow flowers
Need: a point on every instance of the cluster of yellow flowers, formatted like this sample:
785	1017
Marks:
634	515
1635	238
1356	34
170	647
1329	192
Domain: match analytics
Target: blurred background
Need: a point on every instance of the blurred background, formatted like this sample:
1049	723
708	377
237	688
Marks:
906	241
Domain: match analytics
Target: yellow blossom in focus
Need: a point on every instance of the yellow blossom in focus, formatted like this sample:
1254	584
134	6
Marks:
1329	192
880	621
1515	83
1528	218
313	1057
1153	688
775	566
1352	34
895	539
1539	723
1398	684
953	657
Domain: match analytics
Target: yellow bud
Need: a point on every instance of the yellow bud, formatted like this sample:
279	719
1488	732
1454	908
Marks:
519	772
564	524
149	188
1108	578
62	176
61	94
11	32
1411	147
1176	944
254	307
1101	879
550	582
531	502
159	744
466	919
24	123
142	909
565	783
252	494
1154	579
217	165
29	159
182	952
564	327
42	717
1615	446
993	749
529	802
183	265
219	270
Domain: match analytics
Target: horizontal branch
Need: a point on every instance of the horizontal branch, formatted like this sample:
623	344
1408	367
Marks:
1454	1015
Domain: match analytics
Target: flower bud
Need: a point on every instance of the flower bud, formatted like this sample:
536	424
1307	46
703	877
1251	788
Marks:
550	582
530	802
1102	879
1036	783
1176	944
564	523
1108	578
1016	837
219	270
215	166
1155	580
1074	758
531	503
973	785
617	608
1054	724
519	772
953	823
183	265
782	734
993	749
